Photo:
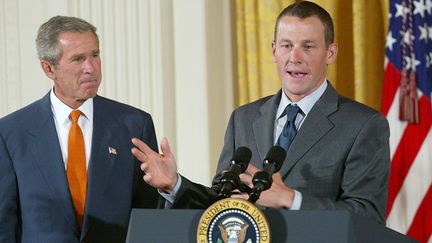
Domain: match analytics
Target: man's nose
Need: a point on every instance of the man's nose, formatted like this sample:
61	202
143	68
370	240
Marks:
88	65
295	56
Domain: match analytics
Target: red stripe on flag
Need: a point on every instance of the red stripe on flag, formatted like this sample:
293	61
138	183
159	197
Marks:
391	84
407	150
421	227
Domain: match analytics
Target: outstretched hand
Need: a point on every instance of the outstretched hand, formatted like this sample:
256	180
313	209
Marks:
277	196
160	170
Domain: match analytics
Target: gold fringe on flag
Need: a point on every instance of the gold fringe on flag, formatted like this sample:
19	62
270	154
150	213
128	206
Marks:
408	106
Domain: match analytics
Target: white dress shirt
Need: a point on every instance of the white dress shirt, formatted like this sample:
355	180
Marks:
62	123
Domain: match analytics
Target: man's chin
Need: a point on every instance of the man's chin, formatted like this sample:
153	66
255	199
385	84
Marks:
86	97
294	89
90	93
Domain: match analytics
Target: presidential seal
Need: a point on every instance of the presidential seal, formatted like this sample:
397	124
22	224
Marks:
232	220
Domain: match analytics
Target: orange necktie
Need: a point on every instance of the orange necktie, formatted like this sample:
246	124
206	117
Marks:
76	166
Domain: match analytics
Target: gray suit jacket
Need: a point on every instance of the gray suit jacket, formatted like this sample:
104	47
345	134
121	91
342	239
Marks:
338	160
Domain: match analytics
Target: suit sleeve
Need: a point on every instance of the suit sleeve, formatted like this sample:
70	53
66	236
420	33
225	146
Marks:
194	196
9	208
365	178
146	196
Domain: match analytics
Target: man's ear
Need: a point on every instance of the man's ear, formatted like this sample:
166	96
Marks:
48	69
274	51
332	53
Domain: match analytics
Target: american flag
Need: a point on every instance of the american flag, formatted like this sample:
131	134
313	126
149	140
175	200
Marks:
407	105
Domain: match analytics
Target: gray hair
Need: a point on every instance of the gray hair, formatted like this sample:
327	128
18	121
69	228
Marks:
47	38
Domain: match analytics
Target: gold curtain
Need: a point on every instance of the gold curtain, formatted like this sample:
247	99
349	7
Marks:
360	30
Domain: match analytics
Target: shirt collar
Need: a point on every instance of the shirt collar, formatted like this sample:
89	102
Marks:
305	104
61	111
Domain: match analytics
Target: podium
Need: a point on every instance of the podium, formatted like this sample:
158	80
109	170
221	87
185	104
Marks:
180	225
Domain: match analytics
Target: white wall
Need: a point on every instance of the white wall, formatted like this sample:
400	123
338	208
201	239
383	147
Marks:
172	58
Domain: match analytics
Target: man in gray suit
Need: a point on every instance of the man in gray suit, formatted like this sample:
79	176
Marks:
339	157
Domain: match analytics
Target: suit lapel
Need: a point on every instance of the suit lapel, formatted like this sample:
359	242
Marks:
263	126
101	159
46	150
313	129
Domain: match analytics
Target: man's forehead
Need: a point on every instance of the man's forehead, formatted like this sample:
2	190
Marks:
311	20
291	27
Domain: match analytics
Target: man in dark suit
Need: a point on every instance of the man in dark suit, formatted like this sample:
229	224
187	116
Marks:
38	202
337	151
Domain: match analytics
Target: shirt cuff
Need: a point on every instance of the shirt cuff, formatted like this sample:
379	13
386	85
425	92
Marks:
170	197
296	204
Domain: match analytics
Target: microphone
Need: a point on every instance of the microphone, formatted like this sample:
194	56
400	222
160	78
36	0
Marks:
230	179
262	180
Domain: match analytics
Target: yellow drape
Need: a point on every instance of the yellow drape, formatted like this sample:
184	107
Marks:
360	30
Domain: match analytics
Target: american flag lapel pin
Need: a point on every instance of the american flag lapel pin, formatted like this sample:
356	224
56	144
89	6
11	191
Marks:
112	150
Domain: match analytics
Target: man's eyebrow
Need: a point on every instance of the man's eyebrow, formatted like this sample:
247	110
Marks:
308	41
84	54
285	40
76	56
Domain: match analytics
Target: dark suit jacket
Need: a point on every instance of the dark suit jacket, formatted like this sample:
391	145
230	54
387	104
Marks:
35	202
338	160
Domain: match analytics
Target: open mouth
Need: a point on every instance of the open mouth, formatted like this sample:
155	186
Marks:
296	74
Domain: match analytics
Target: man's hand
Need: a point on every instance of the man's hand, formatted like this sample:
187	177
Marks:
160	170
277	196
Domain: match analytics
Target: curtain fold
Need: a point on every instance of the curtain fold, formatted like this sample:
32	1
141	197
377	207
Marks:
360	28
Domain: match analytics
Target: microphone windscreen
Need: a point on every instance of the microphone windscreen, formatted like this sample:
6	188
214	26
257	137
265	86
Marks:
242	156
276	156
